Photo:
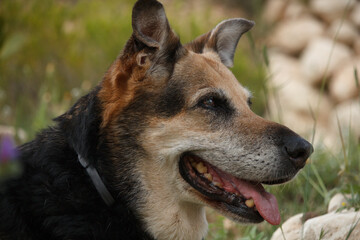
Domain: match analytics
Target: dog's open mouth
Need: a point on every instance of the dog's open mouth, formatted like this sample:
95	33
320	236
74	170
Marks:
243	198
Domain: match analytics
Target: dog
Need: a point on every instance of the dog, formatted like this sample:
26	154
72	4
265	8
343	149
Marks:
167	131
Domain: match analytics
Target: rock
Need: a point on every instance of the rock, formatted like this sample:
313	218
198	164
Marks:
296	9
334	226
343	85
293	101
349	114
304	124
331	226
274	10
344	31
355	15
330	10
299	122
338	201
327	137
290	97
293	35
283	69
299	97
291	229
321	55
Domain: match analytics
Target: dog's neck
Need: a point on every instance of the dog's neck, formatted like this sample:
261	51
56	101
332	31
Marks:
164	214
97	181
166	219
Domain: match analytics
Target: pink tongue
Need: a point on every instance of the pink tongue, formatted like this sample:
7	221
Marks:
265	202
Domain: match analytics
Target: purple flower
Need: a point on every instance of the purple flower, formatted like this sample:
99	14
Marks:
7	149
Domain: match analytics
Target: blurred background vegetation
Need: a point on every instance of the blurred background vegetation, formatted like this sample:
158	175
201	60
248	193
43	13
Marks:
52	52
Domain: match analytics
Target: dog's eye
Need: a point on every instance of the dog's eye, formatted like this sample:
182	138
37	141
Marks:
249	102
209	102
214	103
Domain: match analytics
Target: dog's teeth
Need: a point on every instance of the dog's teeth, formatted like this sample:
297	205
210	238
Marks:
201	168
208	176
250	203
217	184
193	163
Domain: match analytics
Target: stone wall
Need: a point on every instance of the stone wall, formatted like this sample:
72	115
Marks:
313	49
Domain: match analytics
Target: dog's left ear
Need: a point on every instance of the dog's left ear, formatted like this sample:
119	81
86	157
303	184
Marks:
150	53
155	40
223	39
149	23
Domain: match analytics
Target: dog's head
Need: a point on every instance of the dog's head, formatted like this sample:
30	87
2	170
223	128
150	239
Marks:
181	119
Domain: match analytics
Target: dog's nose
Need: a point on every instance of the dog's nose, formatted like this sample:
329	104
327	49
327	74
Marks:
298	150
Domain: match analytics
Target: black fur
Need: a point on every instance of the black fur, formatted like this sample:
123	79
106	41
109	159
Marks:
55	198
171	101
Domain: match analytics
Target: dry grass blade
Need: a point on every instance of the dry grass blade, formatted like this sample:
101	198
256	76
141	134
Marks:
342	143
356	76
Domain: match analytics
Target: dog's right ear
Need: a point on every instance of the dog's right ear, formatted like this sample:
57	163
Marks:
222	40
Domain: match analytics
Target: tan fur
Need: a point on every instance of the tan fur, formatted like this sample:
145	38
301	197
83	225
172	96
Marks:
119	85
177	79
173	210
166	214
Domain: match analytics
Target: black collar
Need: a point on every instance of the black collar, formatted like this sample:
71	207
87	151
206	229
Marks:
98	183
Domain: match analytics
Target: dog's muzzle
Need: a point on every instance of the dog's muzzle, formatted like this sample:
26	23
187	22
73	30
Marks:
246	198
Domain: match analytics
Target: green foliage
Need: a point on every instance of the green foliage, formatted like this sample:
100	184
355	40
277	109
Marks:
50	48
323	233
218	232
253	233
52	52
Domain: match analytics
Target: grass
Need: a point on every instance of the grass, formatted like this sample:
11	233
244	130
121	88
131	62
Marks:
52	52
352	227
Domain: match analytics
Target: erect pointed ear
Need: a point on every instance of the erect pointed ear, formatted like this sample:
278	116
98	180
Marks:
149	22
223	39
152	31
150	53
